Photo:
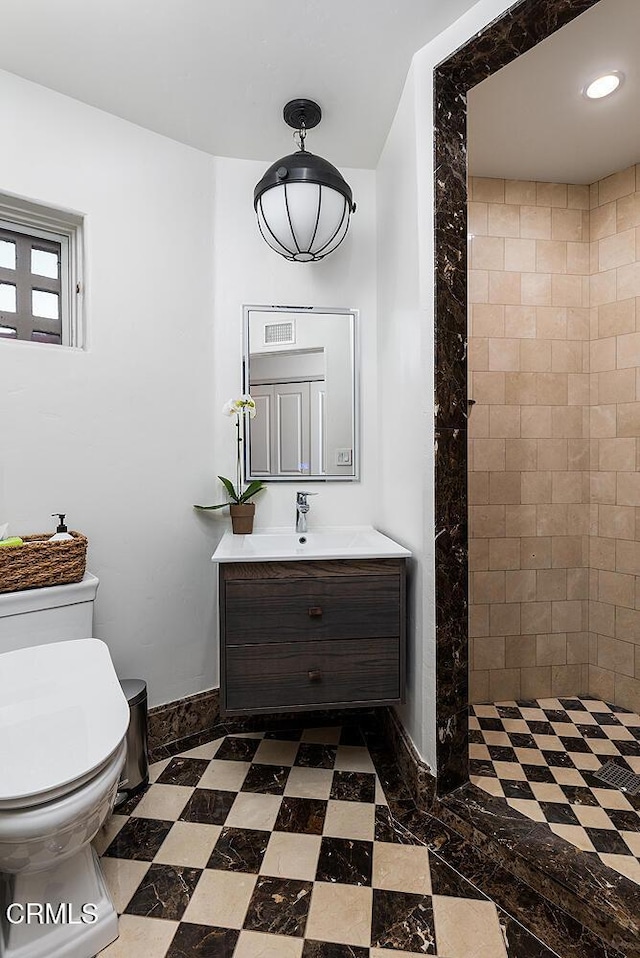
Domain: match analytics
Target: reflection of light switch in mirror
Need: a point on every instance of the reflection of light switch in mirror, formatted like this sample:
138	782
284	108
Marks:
343	457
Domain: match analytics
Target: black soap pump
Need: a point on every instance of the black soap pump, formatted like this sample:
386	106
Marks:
61	534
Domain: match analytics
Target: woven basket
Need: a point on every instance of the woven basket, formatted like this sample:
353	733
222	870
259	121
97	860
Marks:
39	563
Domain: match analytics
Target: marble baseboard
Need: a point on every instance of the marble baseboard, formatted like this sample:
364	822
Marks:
416	774
189	716
194	720
569	899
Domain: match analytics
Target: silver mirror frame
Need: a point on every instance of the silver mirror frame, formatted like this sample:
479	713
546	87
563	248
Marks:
355	332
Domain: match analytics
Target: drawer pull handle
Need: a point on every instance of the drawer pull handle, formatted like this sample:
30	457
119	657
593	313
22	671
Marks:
315	612
315	675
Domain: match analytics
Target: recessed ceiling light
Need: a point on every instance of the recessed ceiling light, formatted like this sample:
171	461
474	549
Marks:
603	86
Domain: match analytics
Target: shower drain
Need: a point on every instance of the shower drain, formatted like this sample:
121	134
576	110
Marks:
619	777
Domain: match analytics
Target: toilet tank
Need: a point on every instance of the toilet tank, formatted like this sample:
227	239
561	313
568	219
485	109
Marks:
54	614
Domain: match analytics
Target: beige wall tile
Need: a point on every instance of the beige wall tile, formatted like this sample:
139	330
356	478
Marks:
602	554
521	388
504	488
505	288
478	553
520	192
578	196
617	185
478	620
520	521
616	655
578	258
550	256
535	289
535	356
520	255
628	211
617	522
520	585
478	686
566	552
602	421
504	355
478	282
487	190
535	222
535	422
617	454
551	584
602	487
578	584
566	356
566	487
628	489
520	651
569	616
577	648
627	627
487	387
477	218
488	587
535	487
520	322
628	281
487	320
601	683
521	454
535	552
627	692
504	422
619	249
504	220
628	419
487	521
567	225
616	588
628	349
489	652
504	553
504	619
603	288
535	682
551	323
504	685
566	679
478	488
535	617
487	252
617	318
627	557
602	618
616	386
488	454
602	221
551	649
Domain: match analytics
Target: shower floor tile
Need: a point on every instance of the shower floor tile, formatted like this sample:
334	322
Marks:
558	744
281	845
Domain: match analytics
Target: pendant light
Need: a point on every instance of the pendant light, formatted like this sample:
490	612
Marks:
302	202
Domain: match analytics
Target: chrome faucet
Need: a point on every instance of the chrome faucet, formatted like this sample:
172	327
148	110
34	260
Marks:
302	508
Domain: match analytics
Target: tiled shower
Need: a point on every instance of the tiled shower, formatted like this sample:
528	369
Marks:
554	439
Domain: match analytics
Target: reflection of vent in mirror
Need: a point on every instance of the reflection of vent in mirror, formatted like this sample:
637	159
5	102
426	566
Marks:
278	333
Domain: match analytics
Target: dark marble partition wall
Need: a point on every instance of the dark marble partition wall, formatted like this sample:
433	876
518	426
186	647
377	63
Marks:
521	27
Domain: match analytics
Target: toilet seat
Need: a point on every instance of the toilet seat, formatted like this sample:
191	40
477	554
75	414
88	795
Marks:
63	715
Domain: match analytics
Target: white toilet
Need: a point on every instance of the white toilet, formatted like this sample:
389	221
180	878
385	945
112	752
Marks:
63	722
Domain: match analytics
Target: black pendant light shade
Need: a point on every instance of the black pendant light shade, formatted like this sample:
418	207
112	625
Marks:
303	203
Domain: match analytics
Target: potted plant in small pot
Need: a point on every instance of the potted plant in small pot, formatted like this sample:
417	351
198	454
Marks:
242	511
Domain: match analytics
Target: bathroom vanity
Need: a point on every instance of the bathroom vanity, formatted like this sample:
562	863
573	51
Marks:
311	621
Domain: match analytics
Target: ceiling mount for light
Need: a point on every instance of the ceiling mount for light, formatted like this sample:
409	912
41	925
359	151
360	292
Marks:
603	85
302	202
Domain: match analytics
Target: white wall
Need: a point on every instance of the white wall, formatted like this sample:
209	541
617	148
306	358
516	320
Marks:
405	350
247	271
117	436
126	435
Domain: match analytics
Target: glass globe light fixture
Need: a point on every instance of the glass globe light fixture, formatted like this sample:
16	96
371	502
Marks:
303	203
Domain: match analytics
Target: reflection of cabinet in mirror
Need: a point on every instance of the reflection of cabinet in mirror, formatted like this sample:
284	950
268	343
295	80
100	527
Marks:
287	435
300	368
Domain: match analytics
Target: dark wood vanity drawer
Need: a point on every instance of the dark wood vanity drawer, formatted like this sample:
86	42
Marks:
309	674
293	610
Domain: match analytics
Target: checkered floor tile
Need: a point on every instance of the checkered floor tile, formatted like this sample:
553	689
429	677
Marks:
281	845
541	757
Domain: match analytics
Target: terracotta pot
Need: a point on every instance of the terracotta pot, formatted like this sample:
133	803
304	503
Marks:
242	518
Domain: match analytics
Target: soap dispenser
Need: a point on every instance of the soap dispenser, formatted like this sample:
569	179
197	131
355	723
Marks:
62	533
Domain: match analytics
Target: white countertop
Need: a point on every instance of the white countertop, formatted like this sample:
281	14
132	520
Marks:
340	542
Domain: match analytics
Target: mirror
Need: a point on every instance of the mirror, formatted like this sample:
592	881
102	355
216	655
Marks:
300	368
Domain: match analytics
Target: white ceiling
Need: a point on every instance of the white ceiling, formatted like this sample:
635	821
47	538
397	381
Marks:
530	120
215	74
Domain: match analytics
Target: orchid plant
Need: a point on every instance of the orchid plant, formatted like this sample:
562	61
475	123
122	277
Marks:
238	409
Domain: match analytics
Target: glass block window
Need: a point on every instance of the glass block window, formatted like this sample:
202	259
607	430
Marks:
40	286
